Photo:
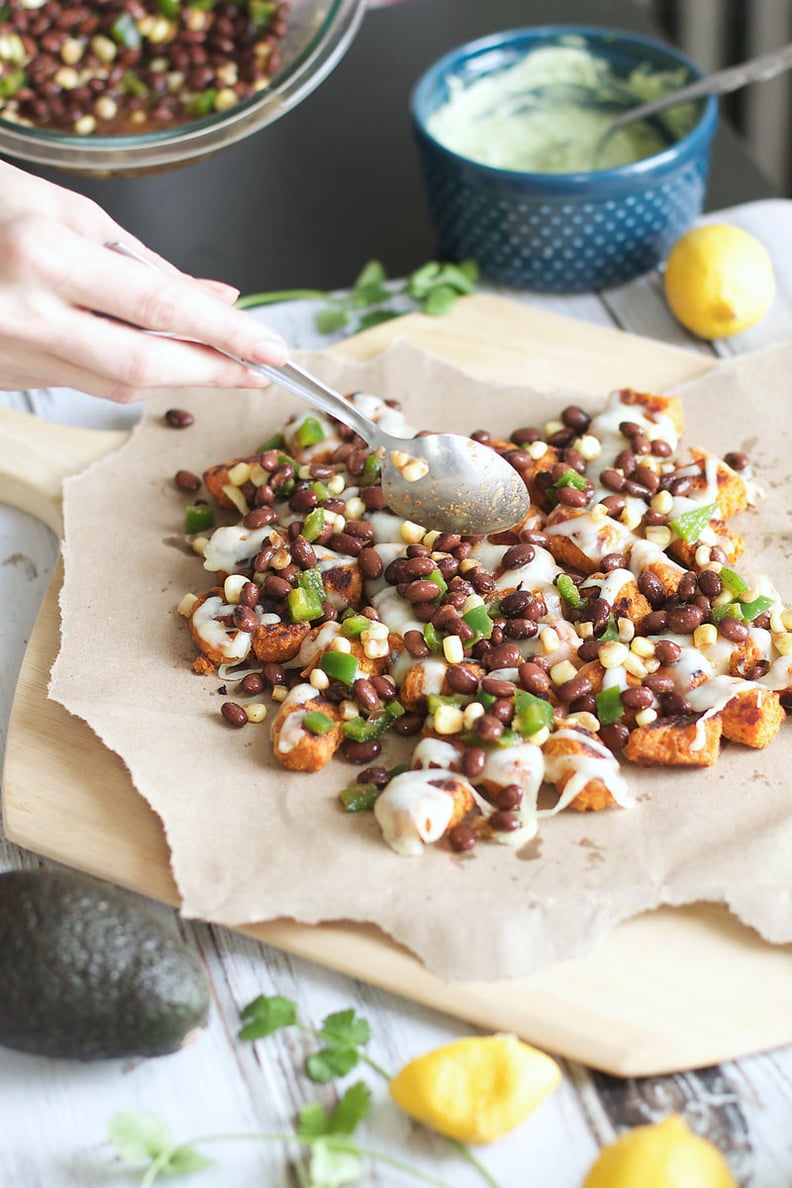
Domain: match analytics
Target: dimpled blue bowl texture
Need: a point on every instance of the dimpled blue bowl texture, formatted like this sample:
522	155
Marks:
560	233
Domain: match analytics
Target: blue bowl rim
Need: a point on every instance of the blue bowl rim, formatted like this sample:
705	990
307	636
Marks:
698	137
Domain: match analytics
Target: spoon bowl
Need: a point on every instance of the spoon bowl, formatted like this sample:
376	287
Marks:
443	481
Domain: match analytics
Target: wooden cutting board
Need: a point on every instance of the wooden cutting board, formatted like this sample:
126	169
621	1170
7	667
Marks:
668	990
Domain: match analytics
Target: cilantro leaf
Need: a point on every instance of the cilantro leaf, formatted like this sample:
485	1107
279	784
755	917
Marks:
331	318
139	1137
375	317
184	1159
372	273
345	1027
420	282
333	1165
440	300
351	1109
264	1016
329	1063
313	1121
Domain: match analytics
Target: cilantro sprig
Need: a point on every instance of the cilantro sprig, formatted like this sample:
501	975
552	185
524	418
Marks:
334	1157
434	289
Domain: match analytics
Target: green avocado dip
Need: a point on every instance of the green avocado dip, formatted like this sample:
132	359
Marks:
495	120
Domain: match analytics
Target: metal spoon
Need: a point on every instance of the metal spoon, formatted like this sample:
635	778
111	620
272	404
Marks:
460	485
721	82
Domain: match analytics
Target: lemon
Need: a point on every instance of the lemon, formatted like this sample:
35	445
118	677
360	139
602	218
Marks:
475	1089
664	1154
719	280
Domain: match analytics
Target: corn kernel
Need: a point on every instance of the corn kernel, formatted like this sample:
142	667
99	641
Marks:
613	654
256	711
786	619
336	484
85	125
589	447
540	737
705	635
703	556
280	693
72	50
552	427
104	48
415	470
198	545
630	517
585	721
412	533
228	74
652	664
453	650
642	647
430	538
471	714
105	108
662	502
448	719
537	450
776	623
599	513
185	606
659	535
645	717
340	644
376	649
626	630
258	475
722	599
783	643
467	564
349	710
354	508
585	630
563	672
635	665
280	559
303	472
549	640
319	679
232	587
67	78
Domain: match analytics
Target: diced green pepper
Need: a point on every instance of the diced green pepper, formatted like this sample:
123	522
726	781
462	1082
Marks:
261	12
125	32
570	478
204	5
359	798
318	723
371	471
203	103
314	524
309	432
609	705
363	729
435	700
438	579
531	713
432	638
310	580
132	85
303	605
750	610
341	666
169	8
198	517
479	621
732	610
690	525
354	625
320	490
276	442
732	581
11	82
569	592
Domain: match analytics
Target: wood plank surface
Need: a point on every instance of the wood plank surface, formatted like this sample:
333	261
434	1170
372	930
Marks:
671	989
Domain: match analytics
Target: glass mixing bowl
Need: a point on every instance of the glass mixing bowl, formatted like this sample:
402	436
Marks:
319	33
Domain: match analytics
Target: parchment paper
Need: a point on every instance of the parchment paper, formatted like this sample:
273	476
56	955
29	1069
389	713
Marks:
250	841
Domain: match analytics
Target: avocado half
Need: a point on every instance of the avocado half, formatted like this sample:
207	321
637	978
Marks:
88	972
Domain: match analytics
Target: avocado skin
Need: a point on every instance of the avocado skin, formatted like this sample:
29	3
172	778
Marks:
88	973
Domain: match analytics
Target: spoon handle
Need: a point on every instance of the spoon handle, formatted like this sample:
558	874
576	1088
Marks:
298	381
720	83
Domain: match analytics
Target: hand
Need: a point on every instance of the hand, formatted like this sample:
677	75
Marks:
55	270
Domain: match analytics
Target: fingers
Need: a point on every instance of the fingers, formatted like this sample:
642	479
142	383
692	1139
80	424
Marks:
127	289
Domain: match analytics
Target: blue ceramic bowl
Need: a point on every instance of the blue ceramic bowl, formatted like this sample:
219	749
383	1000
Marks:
570	232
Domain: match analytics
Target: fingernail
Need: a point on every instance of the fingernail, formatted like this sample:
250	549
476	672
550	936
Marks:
270	350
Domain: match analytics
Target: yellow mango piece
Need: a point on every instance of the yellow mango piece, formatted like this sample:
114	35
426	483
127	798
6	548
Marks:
663	1154
475	1089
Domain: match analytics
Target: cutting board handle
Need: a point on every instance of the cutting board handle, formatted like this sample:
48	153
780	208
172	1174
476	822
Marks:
37	455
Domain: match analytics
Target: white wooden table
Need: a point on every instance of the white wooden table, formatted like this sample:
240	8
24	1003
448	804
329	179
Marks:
54	1115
